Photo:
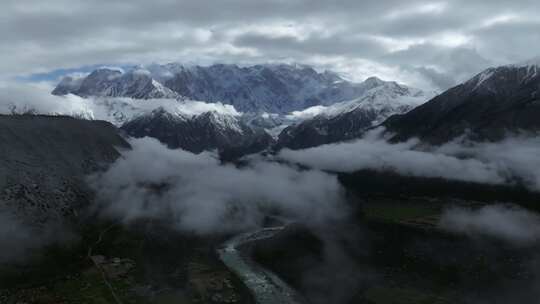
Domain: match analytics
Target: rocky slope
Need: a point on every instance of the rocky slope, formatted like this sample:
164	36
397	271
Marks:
487	106
44	160
347	120
197	133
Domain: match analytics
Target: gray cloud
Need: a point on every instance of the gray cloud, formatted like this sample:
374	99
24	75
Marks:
15	236
438	79
199	194
506	222
335	45
522	36
414	26
36	99
512	160
20	240
442	66
350	36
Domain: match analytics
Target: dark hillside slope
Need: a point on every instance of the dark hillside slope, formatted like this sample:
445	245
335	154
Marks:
490	104
44	160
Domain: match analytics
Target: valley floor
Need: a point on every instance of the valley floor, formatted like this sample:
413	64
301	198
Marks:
391	251
399	256
143	264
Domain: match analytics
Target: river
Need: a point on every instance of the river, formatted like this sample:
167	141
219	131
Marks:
265	286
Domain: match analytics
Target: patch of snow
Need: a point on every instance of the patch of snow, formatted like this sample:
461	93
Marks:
224	122
480	79
307	113
386	98
532	65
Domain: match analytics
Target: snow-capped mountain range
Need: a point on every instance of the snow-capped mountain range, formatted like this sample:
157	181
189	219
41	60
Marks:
349	119
271	88
385	96
244	105
264	88
310	108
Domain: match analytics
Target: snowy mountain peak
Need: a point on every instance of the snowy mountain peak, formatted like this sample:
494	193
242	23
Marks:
496	102
490	79
105	82
210	130
272	88
162	113
220	121
67	85
349	119
383	96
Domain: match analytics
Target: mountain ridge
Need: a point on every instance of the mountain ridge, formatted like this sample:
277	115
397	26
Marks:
272	88
487	106
45	162
350	119
207	131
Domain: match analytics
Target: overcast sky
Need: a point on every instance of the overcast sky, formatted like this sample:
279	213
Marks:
427	44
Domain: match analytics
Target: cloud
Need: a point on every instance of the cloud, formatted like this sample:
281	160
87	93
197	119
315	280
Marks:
506	162
307	113
506	222
199	194
438	79
20	240
500	35
340	44
69	34
36	98
21	98
515	158
442	66
15	236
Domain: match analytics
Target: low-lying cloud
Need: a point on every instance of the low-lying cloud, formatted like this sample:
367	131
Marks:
506	222
36	99
507	162
200	194
20	241
16	237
